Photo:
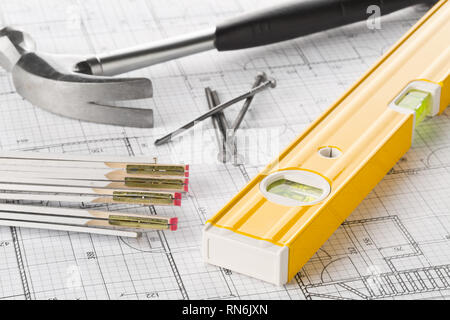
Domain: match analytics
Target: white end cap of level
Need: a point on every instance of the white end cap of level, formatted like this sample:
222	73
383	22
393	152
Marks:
255	258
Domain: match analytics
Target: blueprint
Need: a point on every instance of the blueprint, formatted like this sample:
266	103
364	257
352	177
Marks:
396	245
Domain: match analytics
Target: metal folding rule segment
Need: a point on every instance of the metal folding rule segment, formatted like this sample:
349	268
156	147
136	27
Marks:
87	179
57	162
284	215
86	221
56	177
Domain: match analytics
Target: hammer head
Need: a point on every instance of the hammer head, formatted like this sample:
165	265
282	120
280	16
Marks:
50	82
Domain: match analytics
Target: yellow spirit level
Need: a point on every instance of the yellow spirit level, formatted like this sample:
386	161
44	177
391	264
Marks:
284	215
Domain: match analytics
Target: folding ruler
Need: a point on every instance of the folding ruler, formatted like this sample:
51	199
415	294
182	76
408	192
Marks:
284	215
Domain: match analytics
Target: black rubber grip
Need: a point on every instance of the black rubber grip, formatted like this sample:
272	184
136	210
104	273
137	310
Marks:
296	19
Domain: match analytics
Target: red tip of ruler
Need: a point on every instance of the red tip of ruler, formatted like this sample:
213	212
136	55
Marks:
177	196
173	224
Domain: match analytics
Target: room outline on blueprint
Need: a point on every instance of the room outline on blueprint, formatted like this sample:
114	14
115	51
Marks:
396	245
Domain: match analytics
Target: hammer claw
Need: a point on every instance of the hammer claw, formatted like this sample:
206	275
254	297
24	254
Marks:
117	89
108	114
49	82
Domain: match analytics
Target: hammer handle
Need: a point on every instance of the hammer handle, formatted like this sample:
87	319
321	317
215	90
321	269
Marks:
296	19
284	22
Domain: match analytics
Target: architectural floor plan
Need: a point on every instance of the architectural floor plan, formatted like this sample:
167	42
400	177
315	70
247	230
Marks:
396	245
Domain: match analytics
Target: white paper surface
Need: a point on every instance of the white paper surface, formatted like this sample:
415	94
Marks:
396	245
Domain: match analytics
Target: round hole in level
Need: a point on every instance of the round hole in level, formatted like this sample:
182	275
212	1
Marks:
330	152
